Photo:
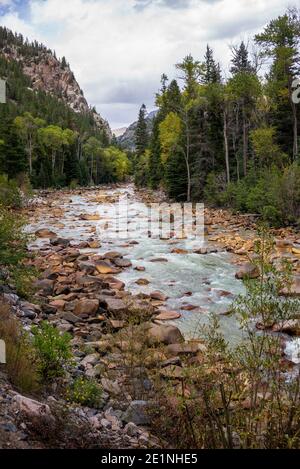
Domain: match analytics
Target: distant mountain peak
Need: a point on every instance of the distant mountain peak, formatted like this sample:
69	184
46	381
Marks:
127	138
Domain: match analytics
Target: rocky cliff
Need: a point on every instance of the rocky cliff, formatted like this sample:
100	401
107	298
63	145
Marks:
49	74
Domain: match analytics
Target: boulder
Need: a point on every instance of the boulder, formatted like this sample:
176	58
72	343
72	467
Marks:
111	387
91	359
113	305
105	268
247	271
33	409
290	327
164	334
45	233
86	307
70	318
117	325
137	413
159	296
186	348
179	251
60	242
142	281
113	255
87	267
89	217
294	290
45	286
167	316
189	307
115	283
123	263
94	244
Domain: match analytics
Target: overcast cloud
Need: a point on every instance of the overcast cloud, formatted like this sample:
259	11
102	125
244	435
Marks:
118	49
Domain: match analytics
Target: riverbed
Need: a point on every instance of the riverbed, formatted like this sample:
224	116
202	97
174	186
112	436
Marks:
196	285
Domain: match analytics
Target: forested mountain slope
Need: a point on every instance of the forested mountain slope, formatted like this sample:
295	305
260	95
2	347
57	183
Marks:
48	132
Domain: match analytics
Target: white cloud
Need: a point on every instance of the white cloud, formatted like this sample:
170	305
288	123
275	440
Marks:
118	51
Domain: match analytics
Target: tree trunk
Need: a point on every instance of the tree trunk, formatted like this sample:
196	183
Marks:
245	143
226	147
30	157
53	162
295	132
187	158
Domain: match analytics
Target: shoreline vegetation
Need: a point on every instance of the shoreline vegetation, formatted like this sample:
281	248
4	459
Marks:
93	365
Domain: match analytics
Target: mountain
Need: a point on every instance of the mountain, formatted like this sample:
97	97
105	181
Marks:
127	139
119	132
48	74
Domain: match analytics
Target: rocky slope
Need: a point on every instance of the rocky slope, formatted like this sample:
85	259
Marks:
49	74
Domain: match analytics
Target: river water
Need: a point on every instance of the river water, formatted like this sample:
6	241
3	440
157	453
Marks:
204	282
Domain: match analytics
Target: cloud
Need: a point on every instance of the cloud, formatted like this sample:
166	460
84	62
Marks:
119	49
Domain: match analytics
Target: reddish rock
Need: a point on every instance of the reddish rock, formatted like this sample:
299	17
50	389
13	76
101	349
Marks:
45	233
164	334
247	271
159	296
168	316
105	268
86	307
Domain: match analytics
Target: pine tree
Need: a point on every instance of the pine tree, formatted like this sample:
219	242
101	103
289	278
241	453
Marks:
212	72
280	41
141	133
155	166
13	155
240	60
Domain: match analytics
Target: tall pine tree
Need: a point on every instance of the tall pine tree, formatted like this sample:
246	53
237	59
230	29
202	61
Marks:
141	133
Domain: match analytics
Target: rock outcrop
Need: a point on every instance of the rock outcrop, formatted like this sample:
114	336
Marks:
54	76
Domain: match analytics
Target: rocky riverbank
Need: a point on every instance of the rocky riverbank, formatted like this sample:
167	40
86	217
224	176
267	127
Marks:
123	339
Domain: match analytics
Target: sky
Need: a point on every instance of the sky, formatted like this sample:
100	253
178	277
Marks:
118	49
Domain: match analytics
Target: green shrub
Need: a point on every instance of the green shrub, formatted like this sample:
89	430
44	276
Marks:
21	365
10	195
13	252
74	184
53	350
270	192
85	391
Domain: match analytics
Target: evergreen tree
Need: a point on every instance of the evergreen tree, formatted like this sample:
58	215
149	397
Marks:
141	133
155	166
212	72
13	156
240	60
280	41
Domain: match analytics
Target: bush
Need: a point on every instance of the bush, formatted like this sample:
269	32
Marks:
270	192
85	392
10	195
74	184
238	396
21	363
13	252
53	350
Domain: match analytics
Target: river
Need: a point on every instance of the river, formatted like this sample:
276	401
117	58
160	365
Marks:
196	285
